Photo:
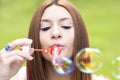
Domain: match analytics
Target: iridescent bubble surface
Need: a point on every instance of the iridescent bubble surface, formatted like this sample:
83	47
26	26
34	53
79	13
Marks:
55	51
63	65
116	67
89	60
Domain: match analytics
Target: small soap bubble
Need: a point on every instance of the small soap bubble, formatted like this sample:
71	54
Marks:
63	65
116	67
55	51
89	60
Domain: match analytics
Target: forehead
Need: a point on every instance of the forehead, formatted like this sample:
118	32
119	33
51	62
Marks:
56	12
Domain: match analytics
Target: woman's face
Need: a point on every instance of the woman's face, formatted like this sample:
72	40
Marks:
57	30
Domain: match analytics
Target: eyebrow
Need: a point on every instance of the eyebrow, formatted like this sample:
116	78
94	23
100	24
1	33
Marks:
62	19
45	20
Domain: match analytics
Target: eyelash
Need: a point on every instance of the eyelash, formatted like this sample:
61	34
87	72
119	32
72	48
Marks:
66	27
47	28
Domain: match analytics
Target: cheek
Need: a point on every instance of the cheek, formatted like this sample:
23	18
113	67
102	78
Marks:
47	57
71	37
43	39
69	40
71	43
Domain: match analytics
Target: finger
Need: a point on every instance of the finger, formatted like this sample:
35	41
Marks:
31	51
17	56
27	49
25	55
14	59
17	42
18	53
21	42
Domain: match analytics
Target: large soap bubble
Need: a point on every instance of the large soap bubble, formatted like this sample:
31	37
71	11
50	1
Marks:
63	65
89	60
116	67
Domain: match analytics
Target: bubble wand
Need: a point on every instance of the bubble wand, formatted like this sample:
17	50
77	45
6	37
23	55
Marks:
51	50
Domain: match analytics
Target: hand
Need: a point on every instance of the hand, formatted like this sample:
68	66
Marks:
11	61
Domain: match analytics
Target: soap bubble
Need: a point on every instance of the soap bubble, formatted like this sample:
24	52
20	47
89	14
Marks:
55	51
63	65
116	67
89	60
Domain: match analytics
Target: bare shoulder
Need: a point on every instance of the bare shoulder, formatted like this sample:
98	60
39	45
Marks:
21	75
99	77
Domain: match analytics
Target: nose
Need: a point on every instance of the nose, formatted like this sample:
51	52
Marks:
56	33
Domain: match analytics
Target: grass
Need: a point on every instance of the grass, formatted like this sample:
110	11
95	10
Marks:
101	18
102	21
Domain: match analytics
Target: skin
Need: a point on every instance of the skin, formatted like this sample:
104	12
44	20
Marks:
11	61
57	30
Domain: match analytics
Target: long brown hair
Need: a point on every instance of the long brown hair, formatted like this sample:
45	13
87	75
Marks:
36	69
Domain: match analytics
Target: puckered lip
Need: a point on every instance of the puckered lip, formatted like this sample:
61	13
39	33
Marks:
56	44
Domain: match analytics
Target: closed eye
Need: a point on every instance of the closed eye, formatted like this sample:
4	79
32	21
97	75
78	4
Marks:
44	28
66	27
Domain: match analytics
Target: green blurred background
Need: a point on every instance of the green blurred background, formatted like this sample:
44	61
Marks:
102	18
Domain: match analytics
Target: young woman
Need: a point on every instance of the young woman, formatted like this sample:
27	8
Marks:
55	23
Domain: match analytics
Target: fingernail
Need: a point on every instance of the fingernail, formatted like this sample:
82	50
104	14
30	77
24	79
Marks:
30	58
31	51
30	40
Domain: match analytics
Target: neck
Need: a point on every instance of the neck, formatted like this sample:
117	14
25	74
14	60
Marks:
53	75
